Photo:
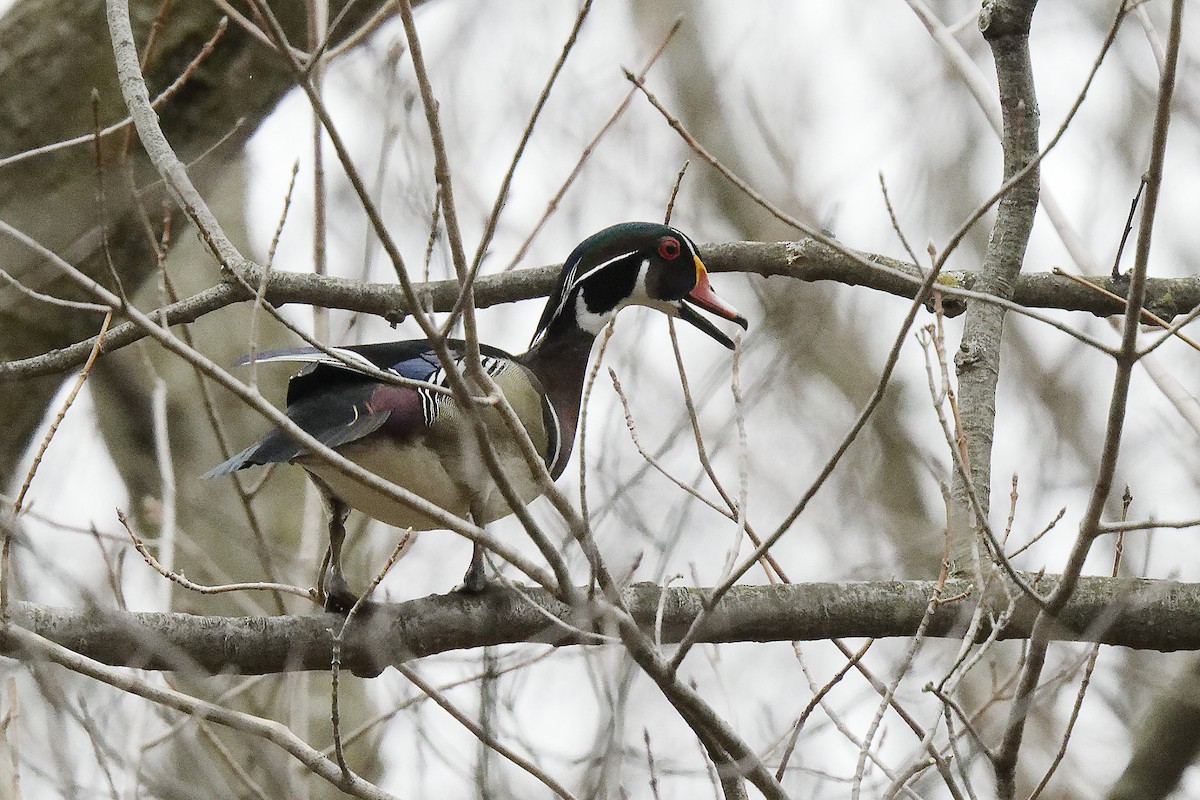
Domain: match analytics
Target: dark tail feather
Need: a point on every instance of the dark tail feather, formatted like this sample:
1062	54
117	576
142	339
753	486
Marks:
240	461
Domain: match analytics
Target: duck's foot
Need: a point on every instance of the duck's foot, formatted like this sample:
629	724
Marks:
338	597
475	581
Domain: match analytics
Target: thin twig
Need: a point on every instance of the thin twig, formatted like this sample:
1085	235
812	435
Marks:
1145	525
1169	331
419	697
887	202
339	638
1013	495
318	31
950	705
1147	313
361	34
590	148
770	566
58	418
438	697
910	654
1133	204
585	401
182	580
1090	667
166	478
237	763
9	730
1062	512
51	299
817	698
266	729
648	457
675	193
650	764
260	302
124	124
489	227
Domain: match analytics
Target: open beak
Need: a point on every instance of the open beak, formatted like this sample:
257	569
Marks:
704	297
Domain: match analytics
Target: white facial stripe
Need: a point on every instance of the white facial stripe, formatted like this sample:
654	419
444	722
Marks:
691	245
576	281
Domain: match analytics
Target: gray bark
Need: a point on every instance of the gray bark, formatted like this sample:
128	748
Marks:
1127	612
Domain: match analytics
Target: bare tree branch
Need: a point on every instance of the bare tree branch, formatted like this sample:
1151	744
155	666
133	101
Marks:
1126	361
804	260
1005	26
1127	612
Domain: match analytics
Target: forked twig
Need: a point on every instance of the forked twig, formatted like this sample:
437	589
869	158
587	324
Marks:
1088	669
910	654
816	700
366	727
649	458
1062	512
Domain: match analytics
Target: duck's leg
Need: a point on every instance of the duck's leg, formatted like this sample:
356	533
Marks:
475	580
335	593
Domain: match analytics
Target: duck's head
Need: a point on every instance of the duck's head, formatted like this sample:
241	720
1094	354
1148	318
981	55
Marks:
634	263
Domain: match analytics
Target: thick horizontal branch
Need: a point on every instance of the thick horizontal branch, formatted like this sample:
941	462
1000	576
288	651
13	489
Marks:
1129	612
381	299
805	260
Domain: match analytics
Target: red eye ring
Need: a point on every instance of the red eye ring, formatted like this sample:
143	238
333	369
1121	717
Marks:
669	248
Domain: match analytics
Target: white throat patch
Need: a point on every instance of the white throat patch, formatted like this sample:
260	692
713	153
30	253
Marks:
593	322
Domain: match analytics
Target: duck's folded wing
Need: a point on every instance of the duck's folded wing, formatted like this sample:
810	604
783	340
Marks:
333	400
334	417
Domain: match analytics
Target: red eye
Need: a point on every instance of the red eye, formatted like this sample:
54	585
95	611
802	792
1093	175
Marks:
668	248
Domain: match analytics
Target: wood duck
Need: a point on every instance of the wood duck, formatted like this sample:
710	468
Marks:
417	439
